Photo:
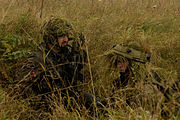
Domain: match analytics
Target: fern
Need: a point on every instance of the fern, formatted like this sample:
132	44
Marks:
14	47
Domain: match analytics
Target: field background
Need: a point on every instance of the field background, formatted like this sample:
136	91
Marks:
155	24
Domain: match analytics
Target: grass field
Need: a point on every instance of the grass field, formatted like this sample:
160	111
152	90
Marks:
153	24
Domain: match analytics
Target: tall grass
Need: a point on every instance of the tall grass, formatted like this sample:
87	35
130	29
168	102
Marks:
154	24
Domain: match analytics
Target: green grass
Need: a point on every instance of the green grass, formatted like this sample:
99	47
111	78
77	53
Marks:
154	24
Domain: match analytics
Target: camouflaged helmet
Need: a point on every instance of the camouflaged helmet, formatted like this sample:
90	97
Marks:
128	52
57	27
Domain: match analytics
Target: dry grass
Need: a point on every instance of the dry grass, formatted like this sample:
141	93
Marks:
154	24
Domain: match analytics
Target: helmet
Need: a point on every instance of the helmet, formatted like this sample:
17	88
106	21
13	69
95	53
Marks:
57	27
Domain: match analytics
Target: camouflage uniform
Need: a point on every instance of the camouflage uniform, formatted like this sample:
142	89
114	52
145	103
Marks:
130	53
46	73
126	53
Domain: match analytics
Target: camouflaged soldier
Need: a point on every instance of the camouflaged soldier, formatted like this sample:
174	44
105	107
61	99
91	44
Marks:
121	60
54	69
121	57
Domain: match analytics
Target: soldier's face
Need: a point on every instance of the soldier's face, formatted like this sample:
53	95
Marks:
63	41
122	66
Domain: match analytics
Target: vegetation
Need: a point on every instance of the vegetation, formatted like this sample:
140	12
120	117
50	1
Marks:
153	24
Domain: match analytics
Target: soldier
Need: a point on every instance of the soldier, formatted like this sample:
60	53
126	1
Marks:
54	69
122	58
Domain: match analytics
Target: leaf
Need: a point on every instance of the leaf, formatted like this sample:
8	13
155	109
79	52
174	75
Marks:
8	48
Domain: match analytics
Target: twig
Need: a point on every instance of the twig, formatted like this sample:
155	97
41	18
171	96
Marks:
5	13
41	10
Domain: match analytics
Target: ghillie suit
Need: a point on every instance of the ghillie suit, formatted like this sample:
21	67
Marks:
132	53
129	53
48	75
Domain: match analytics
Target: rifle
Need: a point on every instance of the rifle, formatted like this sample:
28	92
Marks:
165	92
